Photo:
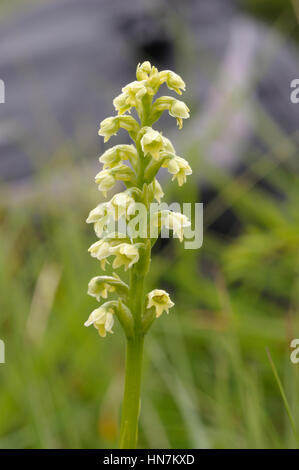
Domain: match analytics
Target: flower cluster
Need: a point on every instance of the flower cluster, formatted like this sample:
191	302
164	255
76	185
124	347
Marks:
136	165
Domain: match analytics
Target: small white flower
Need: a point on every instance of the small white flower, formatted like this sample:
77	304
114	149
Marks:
121	204
102	319
153	82
105	180
99	289
131	95
125	255
134	92
99	216
180	111
176	108
157	190
101	251
115	155
152	143
173	81
108	127
143	70
96	213
172	221
160	300
179	168
111	125
121	103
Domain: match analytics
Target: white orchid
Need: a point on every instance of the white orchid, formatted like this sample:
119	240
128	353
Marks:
115	155
173	81
160	300
108	127
101	251
122	222
122	204
135	91
102	319
100	286
179	168
125	255
105	181
180	111
143	70
99	216
172	221
176	108
152	143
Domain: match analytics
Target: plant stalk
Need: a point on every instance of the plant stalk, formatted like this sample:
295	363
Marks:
134	354
134	351
131	402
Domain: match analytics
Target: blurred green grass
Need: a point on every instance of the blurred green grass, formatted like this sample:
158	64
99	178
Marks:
207	380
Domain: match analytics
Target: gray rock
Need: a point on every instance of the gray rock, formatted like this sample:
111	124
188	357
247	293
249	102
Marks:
62	62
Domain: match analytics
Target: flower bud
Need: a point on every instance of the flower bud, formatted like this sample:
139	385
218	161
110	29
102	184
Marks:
105	181
108	127
99	217
115	155
179	168
153	82
173	81
143	70
121	205
125	255
111	125
152	143
121	103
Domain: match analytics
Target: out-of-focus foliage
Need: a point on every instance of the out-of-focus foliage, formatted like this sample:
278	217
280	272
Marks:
207	380
276	12
268	9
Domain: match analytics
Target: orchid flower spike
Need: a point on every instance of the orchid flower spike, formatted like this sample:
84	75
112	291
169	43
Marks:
121	222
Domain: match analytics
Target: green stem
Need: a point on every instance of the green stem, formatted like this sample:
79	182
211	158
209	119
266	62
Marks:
131	402
134	353
283	396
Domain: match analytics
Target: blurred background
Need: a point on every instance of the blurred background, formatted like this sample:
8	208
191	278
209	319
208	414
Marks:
208	382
